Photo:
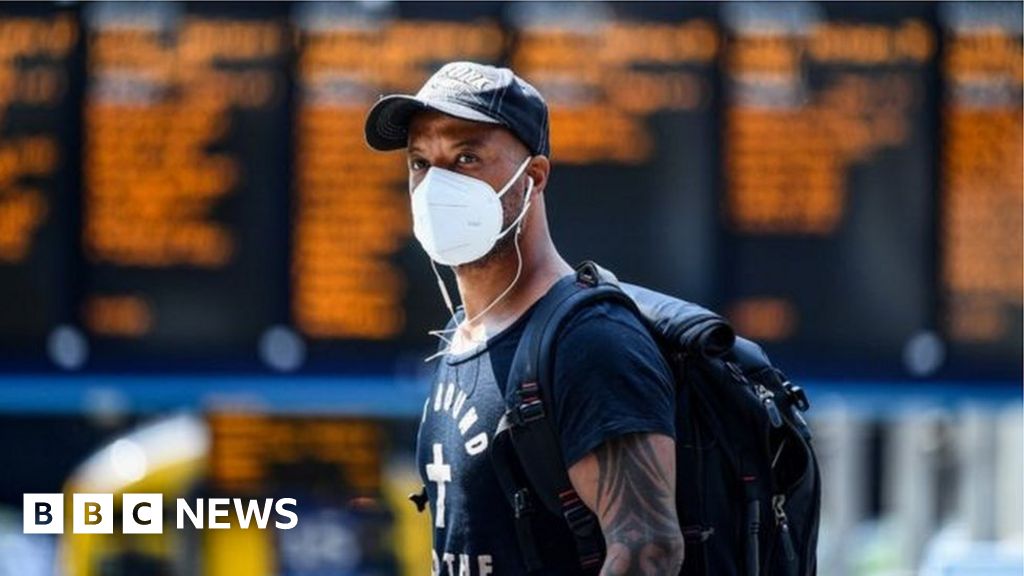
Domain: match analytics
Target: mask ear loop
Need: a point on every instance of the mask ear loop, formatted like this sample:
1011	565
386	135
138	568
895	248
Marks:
515	279
512	180
526	202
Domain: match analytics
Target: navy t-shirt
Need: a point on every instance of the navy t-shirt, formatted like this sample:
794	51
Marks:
610	380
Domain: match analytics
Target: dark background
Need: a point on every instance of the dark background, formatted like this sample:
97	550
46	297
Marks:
854	296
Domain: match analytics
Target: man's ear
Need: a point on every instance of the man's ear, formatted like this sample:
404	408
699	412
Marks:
539	169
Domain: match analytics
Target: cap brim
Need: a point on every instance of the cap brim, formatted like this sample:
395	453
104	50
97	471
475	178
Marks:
387	124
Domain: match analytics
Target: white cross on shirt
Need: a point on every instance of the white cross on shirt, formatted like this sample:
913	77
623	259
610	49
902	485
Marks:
439	473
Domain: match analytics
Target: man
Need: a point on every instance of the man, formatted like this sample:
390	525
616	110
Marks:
476	138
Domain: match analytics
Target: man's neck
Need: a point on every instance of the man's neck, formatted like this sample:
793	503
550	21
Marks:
480	286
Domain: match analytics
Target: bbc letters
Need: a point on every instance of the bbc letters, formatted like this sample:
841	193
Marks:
144	513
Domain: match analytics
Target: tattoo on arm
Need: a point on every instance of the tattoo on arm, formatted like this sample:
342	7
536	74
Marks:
629	483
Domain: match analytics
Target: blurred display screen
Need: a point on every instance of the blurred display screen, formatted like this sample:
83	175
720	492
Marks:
333	459
982	172
40	88
184	174
828	165
186	187
334	469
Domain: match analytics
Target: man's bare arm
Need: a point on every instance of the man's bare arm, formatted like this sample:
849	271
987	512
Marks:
629	483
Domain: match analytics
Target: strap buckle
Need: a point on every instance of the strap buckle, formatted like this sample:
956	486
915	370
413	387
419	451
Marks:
521	505
530	411
529	406
580	519
585	530
798	396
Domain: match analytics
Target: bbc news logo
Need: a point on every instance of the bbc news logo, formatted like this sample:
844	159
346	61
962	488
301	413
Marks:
144	513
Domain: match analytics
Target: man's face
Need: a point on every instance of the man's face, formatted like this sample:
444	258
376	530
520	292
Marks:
488	152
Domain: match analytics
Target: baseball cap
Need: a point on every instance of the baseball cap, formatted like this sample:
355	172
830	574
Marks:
470	91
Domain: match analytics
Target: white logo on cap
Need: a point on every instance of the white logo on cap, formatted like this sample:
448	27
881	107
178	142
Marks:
469	76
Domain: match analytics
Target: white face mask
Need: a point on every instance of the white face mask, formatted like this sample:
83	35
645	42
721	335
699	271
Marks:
457	218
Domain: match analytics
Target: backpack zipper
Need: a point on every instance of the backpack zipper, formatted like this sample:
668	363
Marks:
765	396
782	523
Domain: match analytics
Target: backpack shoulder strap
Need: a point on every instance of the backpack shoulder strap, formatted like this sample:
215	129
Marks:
532	360
532	434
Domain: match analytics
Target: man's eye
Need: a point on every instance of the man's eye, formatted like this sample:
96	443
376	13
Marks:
466	158
417	164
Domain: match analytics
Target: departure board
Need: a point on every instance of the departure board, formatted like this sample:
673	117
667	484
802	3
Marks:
40	52
631	90
185	172
327	457
333	469
982	204
185	186
828	167
357	277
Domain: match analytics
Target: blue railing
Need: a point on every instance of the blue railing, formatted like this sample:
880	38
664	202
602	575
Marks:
397	397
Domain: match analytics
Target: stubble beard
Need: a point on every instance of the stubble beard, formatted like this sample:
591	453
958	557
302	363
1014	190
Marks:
511	207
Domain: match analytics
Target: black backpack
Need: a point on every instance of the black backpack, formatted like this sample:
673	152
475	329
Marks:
748	487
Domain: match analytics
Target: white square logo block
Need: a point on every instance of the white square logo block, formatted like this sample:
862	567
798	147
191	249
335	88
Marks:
93	514
142	513
43	513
